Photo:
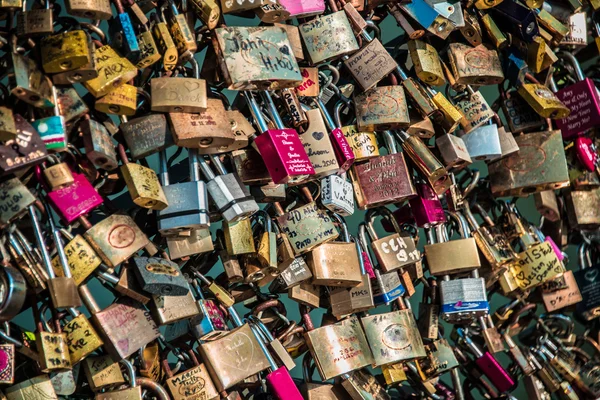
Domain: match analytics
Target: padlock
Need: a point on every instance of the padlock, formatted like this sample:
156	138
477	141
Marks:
517	19
256	58
63	290
326	343
429	17
190	383
307	226
337	195
387	287
125	326
426	62
492	243
317	145
356	299
149	51
542	100
521	172
303	9
25	150
425	161
393	336
231	196
91	9
371	63
233	357
336	263
167	94
160	276
577	24
393	252
363	144
116	238
306	293
266	251
499	377
181	33
188	201
58	175
134	392
426	208
475	109
67	201
99	147
519	114
483	143
82	338
199	241
582	99
494	32
31	387
453	151
121	101
164	41
443	258
381	108
581	211
272	13
210	323
113	71
343	151
143	184
238	237
8	129
315	36
51	343
208	11
146	135
65	51
172	309
281	148
475	65
29	84
35	22
382	180
52	129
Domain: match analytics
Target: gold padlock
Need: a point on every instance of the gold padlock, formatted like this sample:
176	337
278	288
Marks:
120	101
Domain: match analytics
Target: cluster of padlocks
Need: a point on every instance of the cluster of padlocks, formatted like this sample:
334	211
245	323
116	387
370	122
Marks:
128	273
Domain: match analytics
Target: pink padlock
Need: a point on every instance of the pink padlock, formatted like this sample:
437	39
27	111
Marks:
279	380
281	148
75	200
343	151
303	8
586	153
427	208
582	98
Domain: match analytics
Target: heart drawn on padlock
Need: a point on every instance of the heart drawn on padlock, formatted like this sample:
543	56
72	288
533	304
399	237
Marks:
191	86
231	346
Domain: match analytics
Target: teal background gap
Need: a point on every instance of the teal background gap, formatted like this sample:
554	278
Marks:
389	34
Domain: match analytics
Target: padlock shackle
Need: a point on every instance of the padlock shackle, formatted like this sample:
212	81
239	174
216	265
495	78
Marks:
88	299
205	168
362	238
60	248
390	142
216	161
272	109
584	256
39	236
266	220
162	165
574	63
193	165
345	234
331	124
261	343
256	111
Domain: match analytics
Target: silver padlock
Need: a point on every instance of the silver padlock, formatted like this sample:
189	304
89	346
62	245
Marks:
228	192
188	201
483	143
464	299
337	194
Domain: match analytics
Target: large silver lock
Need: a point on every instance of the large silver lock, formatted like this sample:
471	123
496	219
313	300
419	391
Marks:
228	192
483	143
188	201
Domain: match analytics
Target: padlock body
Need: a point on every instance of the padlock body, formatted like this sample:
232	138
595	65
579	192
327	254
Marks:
315	35
463	299
76	200
187	210
583	100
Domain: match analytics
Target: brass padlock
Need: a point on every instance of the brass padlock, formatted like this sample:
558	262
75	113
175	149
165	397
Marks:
317	35
120	101
475	65
29	84
65	51
143	184
336	263
543	100
113	71
427	62
381	108
539	165
168	94
35	22
581	208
